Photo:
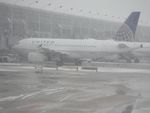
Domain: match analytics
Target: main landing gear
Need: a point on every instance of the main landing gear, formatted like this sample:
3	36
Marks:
38	68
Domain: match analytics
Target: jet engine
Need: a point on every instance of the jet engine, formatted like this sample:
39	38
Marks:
36	57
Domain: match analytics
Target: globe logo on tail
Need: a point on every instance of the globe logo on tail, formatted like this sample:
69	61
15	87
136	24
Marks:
127	31
124	33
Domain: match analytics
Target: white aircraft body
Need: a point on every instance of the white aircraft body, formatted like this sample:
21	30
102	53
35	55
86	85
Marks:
43	49
79	48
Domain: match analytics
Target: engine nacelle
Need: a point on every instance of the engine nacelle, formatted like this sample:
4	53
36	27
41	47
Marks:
35	57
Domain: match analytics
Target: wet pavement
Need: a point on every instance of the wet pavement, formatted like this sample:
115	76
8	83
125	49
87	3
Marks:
110	90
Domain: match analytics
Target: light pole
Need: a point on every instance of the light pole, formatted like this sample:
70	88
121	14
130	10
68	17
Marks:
39	17
11	25
25	27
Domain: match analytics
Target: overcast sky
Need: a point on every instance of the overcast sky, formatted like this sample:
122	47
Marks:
116	10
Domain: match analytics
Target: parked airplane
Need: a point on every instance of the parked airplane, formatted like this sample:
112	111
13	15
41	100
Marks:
39	50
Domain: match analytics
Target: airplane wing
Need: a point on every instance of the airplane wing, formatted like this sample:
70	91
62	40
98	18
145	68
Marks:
123	47
128	53
54	53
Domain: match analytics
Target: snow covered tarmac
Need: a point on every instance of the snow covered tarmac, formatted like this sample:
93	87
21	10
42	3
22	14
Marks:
110	90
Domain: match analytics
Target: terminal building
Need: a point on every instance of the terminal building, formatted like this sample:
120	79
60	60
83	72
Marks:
18	22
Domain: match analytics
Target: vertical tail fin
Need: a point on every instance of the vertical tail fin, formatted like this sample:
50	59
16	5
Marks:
127	31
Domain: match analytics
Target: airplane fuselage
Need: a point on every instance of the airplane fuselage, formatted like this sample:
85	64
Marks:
81	48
